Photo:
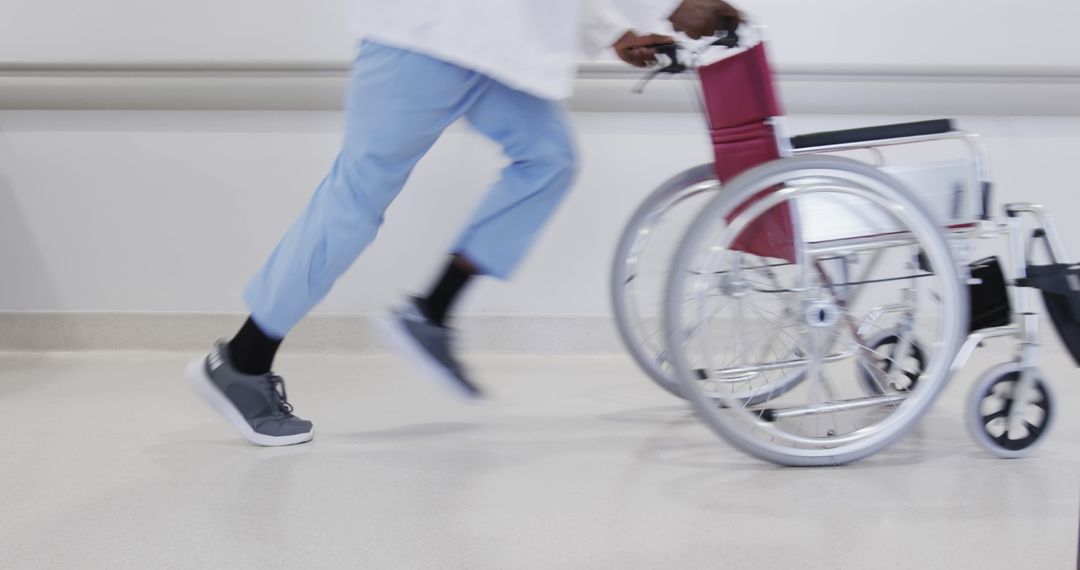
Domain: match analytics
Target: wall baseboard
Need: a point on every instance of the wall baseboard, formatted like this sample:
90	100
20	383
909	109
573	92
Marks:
104	331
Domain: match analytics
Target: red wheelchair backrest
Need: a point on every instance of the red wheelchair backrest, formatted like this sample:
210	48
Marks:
740	98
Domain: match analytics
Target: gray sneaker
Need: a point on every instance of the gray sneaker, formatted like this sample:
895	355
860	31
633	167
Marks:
255	405
427	346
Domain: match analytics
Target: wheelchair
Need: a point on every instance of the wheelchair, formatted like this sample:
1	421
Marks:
811	297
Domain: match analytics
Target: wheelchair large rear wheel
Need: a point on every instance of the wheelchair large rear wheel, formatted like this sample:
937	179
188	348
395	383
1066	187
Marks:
640	269
793	270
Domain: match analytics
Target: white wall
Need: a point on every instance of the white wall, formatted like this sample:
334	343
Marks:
922	32
173	211
879	32
71	30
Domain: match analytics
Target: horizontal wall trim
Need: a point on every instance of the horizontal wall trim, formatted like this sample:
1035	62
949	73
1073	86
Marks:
494	334
319	85
592	70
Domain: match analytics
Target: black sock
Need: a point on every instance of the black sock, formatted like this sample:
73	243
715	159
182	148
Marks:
252	351
437	304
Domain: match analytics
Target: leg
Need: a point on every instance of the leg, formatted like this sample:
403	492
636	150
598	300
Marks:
534	135
437	303
536	138
398	104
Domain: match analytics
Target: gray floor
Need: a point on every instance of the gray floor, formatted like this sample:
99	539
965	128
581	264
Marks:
107	461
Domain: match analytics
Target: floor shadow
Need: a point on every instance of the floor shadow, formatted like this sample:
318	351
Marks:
414	431
652	415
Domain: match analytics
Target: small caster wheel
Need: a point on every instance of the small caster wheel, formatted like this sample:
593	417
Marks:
874	368
992	400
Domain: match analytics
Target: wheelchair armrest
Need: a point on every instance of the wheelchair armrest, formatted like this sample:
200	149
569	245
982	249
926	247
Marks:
870	134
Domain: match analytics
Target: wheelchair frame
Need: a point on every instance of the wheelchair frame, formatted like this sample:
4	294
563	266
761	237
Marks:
1023	324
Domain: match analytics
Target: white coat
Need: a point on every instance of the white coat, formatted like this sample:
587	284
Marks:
530	45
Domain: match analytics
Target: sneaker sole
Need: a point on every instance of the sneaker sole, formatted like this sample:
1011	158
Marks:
201	383
399	338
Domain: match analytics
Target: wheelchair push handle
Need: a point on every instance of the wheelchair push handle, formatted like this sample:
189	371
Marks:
729	39
671	51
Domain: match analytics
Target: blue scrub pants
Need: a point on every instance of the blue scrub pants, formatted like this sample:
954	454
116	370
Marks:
399	103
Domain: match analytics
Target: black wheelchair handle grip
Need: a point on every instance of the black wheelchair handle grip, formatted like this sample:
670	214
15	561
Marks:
671	50
667	49
731	40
